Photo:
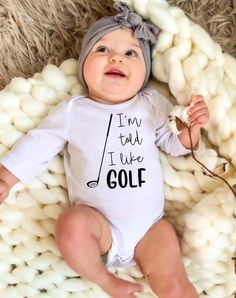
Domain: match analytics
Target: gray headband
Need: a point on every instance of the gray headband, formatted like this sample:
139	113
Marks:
145	32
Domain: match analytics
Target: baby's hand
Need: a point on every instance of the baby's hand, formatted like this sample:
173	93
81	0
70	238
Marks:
198	111
4	190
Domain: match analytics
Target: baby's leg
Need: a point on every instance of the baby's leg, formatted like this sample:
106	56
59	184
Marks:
82	236
159	257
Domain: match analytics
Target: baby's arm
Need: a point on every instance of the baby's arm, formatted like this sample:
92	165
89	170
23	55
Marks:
198	117
7	181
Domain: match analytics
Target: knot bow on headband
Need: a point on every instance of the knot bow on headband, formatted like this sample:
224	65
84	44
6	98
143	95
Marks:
127	18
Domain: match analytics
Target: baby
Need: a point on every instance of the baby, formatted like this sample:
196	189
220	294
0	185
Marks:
111	137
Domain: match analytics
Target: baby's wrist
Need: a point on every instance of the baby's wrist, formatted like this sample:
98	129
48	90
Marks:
7	177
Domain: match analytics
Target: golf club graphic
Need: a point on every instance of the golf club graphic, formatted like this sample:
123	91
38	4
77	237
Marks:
94	183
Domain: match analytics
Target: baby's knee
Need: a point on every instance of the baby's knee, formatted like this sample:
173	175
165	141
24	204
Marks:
71	225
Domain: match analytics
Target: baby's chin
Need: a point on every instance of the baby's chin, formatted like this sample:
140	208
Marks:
112	98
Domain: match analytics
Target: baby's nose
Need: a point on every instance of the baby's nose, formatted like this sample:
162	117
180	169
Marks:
116	58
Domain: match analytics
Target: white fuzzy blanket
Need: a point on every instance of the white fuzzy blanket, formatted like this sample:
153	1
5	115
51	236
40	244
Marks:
188	60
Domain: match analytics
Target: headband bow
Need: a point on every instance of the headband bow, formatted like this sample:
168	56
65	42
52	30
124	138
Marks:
127	18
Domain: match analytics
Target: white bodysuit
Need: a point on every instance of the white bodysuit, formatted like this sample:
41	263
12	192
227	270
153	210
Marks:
111	160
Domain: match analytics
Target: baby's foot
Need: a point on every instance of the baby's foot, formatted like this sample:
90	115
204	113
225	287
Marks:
120	288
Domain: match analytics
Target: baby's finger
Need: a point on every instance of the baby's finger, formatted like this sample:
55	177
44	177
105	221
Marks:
201	116
196	98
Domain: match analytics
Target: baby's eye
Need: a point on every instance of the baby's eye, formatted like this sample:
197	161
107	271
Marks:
102	49
131	53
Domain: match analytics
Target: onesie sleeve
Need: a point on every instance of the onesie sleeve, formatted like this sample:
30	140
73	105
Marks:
32	154
165	139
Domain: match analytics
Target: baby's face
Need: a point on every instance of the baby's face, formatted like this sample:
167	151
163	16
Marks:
114	70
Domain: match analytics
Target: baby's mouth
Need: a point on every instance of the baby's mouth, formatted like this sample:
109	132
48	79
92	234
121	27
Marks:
115	73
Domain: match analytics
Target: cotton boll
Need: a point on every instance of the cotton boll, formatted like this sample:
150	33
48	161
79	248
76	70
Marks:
19	85
161	17
164	42
55	78
8	100
203	40
70	67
